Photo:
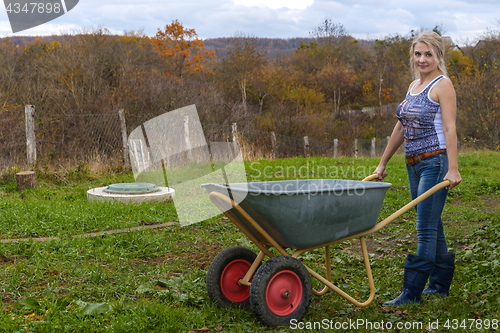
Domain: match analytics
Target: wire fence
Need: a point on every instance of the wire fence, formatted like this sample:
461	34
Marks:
12	138
83	137
60	137
78	136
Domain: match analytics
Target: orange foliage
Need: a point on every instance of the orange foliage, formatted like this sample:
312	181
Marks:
182	50
386	93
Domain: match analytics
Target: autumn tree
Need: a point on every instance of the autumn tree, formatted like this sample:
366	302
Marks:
390	73
272	83
181	49
242	60
8	83
477	84
332	69
459	65
335	79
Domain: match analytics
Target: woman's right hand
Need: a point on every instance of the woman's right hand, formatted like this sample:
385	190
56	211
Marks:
380	171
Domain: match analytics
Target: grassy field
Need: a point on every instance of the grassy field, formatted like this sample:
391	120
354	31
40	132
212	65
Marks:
154	280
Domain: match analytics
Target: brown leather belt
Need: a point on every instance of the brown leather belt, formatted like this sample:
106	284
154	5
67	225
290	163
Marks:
413	159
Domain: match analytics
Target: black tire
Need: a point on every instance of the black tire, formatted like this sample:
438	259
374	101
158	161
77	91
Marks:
222	286
281	291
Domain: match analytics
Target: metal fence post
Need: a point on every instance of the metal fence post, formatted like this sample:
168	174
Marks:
29	112
335	148
123	125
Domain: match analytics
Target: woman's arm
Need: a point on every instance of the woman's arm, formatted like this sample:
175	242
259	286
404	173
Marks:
447	99
397	138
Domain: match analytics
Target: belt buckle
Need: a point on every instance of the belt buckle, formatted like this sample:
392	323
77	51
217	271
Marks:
412	160
431	153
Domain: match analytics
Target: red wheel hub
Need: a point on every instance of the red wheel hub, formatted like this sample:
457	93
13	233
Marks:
234	271
284	293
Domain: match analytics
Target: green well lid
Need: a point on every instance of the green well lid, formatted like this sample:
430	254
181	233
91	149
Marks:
132	188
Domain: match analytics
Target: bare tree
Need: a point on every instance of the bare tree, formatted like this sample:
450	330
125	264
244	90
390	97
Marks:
242	59
330	33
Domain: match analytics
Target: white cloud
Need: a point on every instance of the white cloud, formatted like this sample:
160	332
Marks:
275	4
277	18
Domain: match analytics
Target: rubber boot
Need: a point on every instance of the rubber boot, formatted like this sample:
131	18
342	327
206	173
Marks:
417	270
442	275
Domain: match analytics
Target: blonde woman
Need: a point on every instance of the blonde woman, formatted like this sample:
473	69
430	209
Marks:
427	127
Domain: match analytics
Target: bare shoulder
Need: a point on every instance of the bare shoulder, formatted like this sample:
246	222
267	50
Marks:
443	91
445	86
411	85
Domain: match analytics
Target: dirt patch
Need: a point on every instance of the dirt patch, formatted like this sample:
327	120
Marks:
200	255
203	255
5	259
8	302
11	260
490	203
381	246
384	245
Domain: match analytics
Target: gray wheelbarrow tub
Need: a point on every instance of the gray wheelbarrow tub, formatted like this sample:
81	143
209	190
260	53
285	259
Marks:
307	213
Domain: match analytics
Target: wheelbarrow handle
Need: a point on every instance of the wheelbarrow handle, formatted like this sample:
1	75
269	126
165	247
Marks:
444	183
371	177
392	217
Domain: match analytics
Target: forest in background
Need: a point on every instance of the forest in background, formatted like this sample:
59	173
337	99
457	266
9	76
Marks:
319	87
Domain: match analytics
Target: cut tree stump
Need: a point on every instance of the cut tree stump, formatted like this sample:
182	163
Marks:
25	179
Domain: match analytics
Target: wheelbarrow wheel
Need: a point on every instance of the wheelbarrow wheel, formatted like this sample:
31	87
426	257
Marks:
281	290
226	269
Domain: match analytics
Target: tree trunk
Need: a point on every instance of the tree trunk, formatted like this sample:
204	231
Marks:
243	88
25	179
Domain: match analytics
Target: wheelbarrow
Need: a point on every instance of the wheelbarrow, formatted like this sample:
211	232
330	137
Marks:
301	216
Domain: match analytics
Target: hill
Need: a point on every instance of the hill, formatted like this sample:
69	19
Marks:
274	47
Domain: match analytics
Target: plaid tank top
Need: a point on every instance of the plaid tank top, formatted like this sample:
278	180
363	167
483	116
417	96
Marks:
422	121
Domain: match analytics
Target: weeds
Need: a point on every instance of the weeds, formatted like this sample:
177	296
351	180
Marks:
154	280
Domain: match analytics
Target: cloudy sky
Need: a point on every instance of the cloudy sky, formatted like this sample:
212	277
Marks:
463	20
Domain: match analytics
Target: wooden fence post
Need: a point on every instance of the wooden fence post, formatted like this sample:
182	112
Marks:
356	148
335	148
186	137
236	141
123	125
306	146
29	114
372	152
273	145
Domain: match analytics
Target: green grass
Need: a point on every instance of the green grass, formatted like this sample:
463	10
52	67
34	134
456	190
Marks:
154	280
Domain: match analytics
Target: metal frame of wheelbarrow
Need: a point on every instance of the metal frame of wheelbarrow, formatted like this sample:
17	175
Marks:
264	247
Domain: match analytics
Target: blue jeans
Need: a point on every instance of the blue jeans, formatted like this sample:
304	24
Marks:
422	176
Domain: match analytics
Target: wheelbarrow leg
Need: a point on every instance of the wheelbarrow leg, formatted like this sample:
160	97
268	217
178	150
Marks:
328	273
246	279
339	291
369	275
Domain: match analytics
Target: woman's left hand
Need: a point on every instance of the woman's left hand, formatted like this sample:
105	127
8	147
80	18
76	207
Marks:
454	178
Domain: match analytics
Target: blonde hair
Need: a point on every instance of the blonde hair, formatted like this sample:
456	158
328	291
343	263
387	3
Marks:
436	46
